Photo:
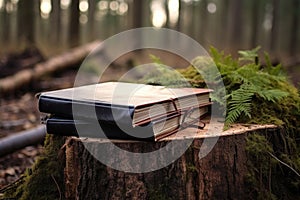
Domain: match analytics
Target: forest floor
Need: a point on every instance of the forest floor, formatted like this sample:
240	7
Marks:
19	112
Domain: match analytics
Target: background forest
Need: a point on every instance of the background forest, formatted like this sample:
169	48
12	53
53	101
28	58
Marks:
225	24
52	27
230	25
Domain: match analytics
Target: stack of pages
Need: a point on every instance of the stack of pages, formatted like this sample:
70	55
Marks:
118	110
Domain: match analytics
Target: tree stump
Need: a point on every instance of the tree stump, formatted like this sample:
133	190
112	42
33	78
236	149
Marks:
218	175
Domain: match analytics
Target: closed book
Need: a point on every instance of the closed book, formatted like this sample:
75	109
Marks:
152	131
127	103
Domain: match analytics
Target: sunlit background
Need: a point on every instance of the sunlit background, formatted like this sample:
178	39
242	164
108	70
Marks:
54	26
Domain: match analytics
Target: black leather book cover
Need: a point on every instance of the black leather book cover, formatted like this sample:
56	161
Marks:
126	103
151	131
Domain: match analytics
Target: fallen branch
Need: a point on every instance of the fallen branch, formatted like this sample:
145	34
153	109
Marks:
59	62
22	139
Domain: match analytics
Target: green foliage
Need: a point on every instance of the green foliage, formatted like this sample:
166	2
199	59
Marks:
258	145
246	81
272	174
260	166
249	55
256	93
262	94
156	59
240	103
161	74
45	180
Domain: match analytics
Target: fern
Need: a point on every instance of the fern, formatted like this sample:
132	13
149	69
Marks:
249	55
246	81
160	74
239	102
273	95
273	70
155	59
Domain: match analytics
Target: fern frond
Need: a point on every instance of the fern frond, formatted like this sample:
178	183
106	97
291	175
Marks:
273	95
236	110
206	67
273	70
155	59
222	61
240	103
249	55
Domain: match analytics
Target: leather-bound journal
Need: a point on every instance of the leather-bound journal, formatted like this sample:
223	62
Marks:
118	102
151	131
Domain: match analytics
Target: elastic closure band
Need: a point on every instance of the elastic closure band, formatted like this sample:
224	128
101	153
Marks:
187	114
174	105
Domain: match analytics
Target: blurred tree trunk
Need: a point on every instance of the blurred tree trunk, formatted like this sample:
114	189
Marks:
235	23
137	13
194	18
255	17
203	21
196	22
147	21
274	30
294	29
167	14
56	21
137	20
178	25
191	17
26	21
91	17
5	24
74	24
224	23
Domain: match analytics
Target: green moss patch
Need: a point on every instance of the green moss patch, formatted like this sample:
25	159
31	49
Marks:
46	179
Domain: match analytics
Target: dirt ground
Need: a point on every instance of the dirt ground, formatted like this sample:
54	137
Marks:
19	112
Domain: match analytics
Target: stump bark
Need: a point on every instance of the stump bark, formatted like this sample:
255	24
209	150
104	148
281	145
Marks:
219	175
